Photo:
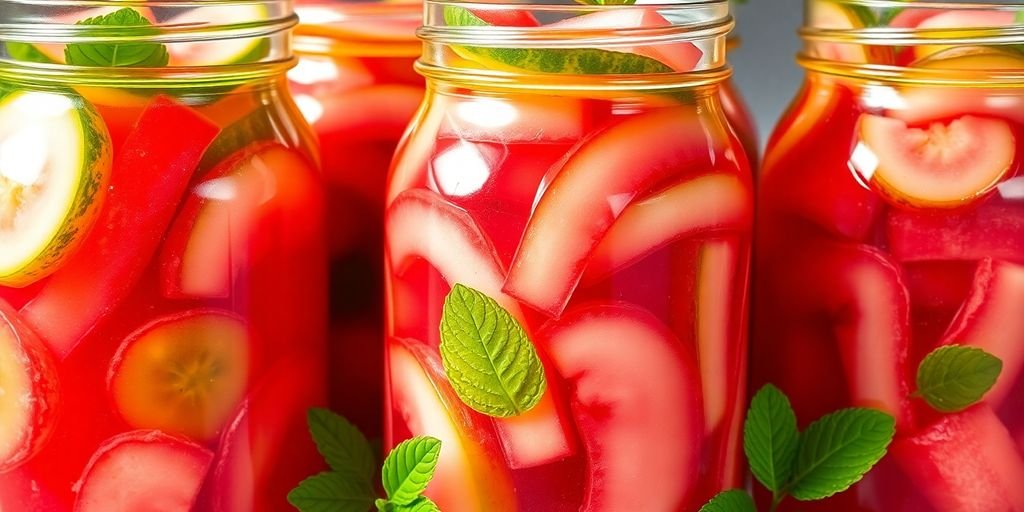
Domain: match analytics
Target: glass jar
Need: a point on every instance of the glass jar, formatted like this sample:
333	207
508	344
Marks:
738	113
892	224
572	171
356	85
161	258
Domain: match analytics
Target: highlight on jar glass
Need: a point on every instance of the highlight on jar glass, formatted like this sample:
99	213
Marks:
161	258
567	244
890	263
356	85
736	109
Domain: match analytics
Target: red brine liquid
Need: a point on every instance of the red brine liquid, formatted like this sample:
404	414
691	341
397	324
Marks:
617	231
356	86
891	226
164	355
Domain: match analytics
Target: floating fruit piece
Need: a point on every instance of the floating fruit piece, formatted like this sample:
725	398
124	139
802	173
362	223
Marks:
965	462
591	190
634	387
266	450
149	177
220	51
420	224
576	61
503	16
415	150
714	202
471	475
681	57
141	469
182	374
989	231
911	17
532	118
379	112
943	166
959	23
55	158
211	242
860	295
990	319
28	391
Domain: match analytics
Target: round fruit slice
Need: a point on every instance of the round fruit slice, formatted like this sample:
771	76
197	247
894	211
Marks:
55	159
183	374
943	166
634	388
28	391
958	23
973	57
831	16
218	52
470	476
143	470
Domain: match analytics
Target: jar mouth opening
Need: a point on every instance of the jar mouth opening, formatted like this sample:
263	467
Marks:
369	29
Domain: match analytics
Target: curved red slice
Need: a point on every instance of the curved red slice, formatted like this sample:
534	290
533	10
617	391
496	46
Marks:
29	394
378	112
211	241
265	451
990	231
965	462
422	225
635	389
415	150
143	470
962	19
151	171
590	192
682	56
470	476
505	16
991	319
861	294
712	202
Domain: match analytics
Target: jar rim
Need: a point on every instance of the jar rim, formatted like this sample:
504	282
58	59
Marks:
357	29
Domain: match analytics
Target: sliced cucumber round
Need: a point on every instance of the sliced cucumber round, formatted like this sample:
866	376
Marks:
55	159
219	52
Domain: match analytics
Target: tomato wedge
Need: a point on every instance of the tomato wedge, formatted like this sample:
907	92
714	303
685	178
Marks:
149	178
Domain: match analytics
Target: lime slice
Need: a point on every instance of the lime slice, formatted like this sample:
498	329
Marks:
55	160
569	61
220	52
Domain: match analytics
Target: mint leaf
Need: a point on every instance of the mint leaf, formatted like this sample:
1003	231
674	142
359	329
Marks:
736	500
770	437
409	468
422	504
487	356
343	446
837	450
955	377
332	492
573	61
123	22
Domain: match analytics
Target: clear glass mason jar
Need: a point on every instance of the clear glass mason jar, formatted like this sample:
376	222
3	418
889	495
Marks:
573	171
892	224
738	112
356	85
161	258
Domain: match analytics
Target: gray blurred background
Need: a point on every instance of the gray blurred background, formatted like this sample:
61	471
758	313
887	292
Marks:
764	63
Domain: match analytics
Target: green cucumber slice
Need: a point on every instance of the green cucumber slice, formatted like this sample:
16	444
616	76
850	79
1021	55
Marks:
55	159
221	52
571	61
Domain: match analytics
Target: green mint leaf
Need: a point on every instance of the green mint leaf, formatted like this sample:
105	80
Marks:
409	468
126	21
383	505
332	492
736	500
487	356
837	450
572	61
955	377
25	52
343	446
422	504
770	437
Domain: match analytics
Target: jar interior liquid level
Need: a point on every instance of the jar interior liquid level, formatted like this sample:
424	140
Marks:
162	254
890	226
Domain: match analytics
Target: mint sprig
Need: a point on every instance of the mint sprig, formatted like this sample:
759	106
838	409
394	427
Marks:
770	438
487	356
126	21
736	500
348	487
955	377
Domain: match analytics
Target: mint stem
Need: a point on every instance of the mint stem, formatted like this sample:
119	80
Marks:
777	498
